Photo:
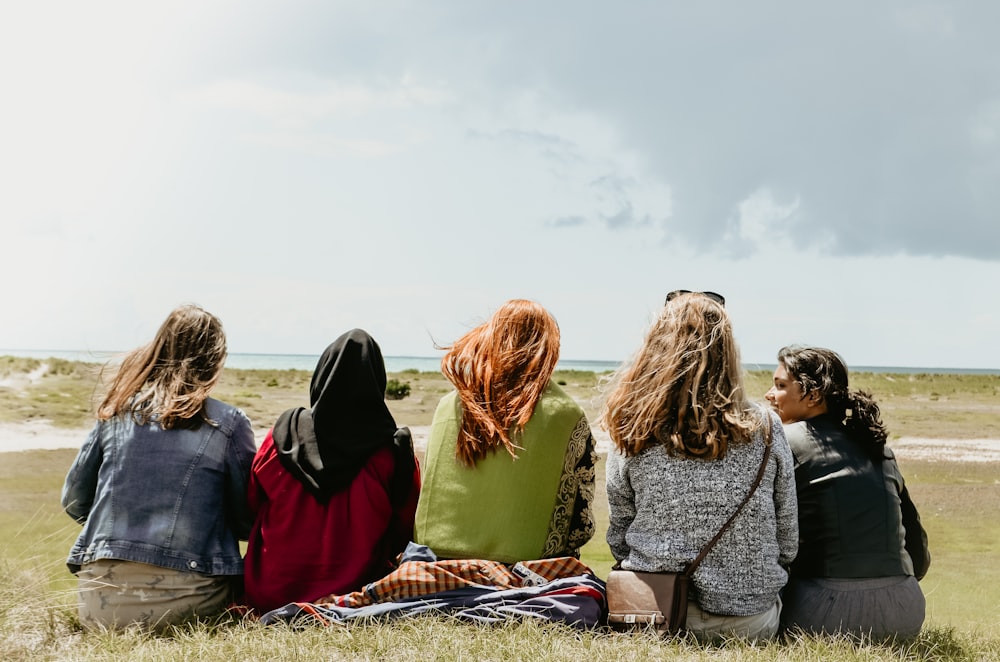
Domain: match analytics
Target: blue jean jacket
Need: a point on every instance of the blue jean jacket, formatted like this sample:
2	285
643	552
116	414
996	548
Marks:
171	498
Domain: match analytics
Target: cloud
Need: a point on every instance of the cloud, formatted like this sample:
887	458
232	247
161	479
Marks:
881	129
567	222
877	119
312	99
324	144
880	121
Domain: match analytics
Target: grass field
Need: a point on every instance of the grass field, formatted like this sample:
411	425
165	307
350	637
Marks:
959	503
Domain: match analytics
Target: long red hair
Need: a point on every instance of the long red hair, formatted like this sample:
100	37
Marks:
500	369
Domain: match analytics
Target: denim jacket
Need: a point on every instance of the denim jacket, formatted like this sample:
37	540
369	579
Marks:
171	498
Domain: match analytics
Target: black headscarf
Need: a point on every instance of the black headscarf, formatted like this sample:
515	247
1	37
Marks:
326	446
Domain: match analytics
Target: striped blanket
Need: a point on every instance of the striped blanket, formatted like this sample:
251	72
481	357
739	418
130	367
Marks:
561	589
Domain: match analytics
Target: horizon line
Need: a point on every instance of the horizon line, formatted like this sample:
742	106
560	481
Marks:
33	353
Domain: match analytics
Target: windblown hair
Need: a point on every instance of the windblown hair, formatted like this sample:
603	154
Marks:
169	379
684	387
823	371
500	369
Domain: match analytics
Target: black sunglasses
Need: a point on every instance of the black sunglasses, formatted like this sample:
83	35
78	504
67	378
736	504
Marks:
714	296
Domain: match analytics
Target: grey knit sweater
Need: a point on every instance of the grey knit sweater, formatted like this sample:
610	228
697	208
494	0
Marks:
663	509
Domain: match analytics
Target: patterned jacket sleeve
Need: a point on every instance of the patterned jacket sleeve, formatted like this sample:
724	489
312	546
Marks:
581	528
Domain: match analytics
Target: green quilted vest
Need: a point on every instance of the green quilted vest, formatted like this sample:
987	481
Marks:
502	508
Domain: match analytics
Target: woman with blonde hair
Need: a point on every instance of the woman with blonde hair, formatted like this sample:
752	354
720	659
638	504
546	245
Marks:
509	467
160	484
687	447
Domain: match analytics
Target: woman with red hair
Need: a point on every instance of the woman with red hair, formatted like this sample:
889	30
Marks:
509	467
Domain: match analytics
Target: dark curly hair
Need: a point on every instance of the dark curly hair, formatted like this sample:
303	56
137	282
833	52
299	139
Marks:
823	371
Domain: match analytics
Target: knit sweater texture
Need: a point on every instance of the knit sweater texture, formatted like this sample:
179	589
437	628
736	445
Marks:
664	508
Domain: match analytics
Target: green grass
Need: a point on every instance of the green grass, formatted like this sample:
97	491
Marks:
959	504
924	405
61	395
429	638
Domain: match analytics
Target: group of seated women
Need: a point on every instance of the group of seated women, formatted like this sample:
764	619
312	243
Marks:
170	480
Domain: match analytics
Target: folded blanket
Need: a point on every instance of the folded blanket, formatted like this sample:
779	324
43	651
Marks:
575	600
420	578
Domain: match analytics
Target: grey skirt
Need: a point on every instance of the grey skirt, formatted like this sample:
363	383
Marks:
877	607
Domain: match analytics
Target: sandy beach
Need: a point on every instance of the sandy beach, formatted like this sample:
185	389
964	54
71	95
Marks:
42	435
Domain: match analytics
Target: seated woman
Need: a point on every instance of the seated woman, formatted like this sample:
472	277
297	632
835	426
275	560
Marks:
334	487
160	485
688	446
509	467
861	546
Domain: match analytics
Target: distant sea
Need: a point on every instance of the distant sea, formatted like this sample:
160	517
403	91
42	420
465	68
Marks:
433	363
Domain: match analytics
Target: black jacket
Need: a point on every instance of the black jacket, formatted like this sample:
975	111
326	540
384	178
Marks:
856	518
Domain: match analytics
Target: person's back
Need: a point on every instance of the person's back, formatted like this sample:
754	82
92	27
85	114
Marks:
302	549
172	498
509	466
688	447
333	486
680	503
160	484
505	509
840	488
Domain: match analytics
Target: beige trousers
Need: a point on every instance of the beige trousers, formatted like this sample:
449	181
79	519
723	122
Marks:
707	626
113	594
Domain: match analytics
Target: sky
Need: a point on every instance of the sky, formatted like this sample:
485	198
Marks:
302	168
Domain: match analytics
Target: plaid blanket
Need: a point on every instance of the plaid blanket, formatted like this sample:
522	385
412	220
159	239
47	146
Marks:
421	578
577	601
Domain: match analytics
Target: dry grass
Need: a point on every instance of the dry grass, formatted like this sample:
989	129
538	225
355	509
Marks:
913	405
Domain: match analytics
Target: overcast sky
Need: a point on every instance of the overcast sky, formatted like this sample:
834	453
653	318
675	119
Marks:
301	168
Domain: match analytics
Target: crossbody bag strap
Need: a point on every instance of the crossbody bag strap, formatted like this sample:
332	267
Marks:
691	567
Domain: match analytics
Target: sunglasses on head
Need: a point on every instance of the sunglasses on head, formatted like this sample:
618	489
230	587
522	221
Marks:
714	296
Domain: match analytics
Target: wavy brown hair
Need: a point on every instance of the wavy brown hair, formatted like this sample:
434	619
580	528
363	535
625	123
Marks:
684	387
500	369
169	378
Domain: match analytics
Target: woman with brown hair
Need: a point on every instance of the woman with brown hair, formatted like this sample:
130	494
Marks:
688	445
160	484
509	467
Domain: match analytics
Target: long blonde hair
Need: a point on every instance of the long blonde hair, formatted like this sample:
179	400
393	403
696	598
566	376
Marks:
169	378
500	369
684	388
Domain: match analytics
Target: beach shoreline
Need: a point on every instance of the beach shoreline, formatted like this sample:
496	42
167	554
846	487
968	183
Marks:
42	435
